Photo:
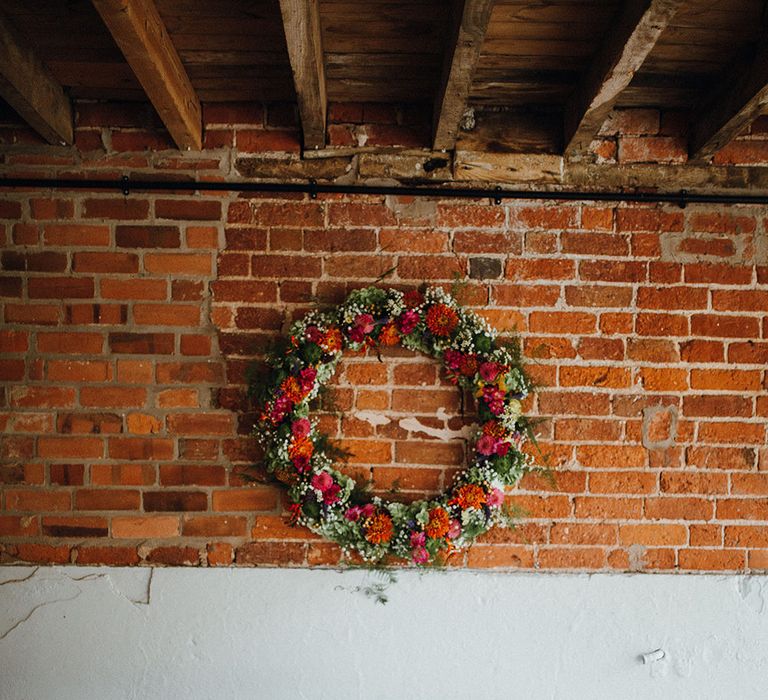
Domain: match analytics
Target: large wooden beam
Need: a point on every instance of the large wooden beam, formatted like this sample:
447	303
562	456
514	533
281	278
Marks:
460	65
301	20
742	97
30	88
641	24
142	37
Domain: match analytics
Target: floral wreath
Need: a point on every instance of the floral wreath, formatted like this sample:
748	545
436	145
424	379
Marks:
329	502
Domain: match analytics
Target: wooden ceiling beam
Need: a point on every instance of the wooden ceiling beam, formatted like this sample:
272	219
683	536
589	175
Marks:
629	42
139	31
30	88
460	63
301	21
739	100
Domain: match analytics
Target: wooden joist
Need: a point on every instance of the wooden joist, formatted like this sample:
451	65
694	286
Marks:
463	54
621	56
742	98
30	88
141	35
301	21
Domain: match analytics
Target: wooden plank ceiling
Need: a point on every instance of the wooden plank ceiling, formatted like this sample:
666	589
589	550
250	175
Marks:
555	67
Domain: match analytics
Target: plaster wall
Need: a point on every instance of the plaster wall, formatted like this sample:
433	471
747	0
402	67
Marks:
78	632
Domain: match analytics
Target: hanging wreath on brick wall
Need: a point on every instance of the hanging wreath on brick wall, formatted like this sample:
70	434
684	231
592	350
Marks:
331	503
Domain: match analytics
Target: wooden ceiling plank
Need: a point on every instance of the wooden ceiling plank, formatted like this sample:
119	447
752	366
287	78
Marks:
301	20
143	38
641	24
460	65
30	88
742	97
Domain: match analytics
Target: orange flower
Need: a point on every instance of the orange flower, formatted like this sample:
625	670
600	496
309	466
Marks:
494	429
378	528
441	320
389	335
332	340
468	496
301	446
439	523
292	389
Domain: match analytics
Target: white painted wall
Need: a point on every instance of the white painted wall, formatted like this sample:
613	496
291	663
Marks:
107	633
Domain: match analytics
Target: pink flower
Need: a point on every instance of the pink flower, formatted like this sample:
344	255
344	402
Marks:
353	513
365	323
486	445
420	555
300	427
307	378
407	321
490	370
331	494
367	510
452	358
356	334
322	481
455	529
314	334
301	462
418	539
495	498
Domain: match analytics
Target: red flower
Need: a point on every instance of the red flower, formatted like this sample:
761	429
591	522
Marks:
413	298
468	496
442	320
389	335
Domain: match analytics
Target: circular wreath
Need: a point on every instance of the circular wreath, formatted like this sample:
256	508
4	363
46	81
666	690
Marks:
329	502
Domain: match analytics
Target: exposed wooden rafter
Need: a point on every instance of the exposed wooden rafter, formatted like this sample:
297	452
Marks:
301	20
30	88
742	98
460	64
621	56
142	37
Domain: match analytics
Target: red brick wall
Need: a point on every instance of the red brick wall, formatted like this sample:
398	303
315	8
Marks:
129	323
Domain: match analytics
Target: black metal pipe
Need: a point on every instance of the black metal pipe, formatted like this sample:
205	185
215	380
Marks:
126	186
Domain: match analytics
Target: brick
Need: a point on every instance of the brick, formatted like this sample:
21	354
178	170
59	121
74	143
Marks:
108	555
60	288
70	343
43	553
82	447
500	556
142	343
119	208
140	289
96	423
67	474
678	508
39	314
37	501
672	298
561	322
178	263
166	314
113	397
598	296
107	499
214	526
140	448
174	501
613	271
592	244
653	535
571	558
609	377
581	533
725	326
271	553
35	262
725	379
249	499
79	371
626	482
76	235
200	424
189	373
712	559
606	508
87	314
19	526
147	236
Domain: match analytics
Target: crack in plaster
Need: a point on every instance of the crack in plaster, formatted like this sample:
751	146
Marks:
752	591
122	591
